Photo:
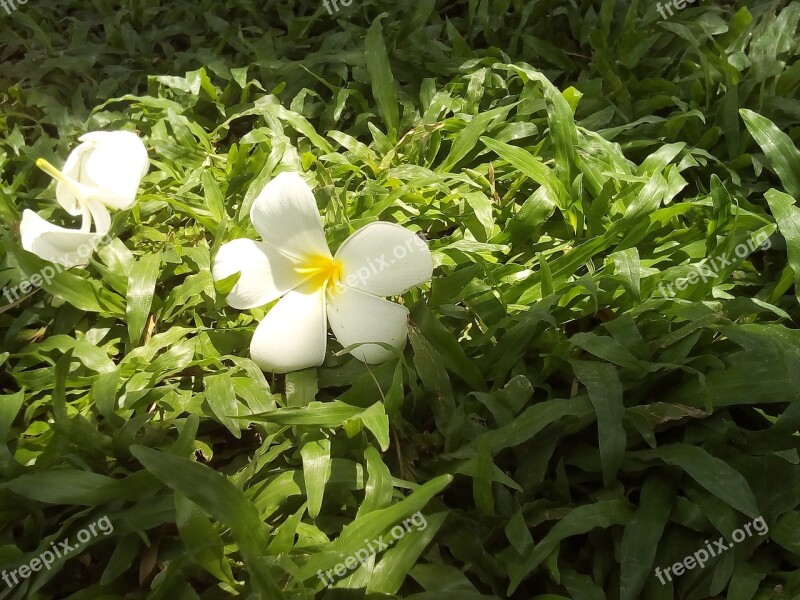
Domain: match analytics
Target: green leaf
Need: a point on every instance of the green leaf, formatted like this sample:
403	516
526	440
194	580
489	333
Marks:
530	166
629	268
301	387
782	154
141	288
329	414
605	392
214	198
714	474
378	490
221	398
380	72
579	520
82	293
316	472
219	499
434	377
201	540
468	137
787	216
391	571
642	533
447	346
372	525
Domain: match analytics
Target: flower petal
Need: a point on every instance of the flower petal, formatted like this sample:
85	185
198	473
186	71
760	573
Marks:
266	273
293	334
384	259
111	164
100	215
358	317
285	214
67	247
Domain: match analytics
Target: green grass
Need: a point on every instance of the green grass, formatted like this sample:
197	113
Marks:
564	426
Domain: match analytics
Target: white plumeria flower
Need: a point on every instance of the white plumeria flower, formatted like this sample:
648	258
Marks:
103	172
295	264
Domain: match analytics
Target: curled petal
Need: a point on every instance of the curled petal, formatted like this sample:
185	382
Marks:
100	215
266	273
293	334
357	317
67	247
285	214
384	259
110	164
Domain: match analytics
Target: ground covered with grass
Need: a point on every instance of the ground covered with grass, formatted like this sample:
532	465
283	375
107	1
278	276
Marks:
602	377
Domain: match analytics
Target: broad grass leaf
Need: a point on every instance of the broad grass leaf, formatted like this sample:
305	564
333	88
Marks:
579	520
201	539
642	533
561	120
221	398
85	488
607	348
434	377
221	500
648	199
712	473
391	571
536	209
213	195
10	405
531	166
301	387
629	268
383	86
328	414
605	392
482	479
378	489
141	289
782	154
373	524
316	455
527	425
448	347
466	139
82	293
787	215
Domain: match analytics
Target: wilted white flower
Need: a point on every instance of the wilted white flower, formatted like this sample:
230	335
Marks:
102	173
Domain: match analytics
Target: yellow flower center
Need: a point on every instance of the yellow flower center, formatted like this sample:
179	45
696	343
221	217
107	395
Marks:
322	271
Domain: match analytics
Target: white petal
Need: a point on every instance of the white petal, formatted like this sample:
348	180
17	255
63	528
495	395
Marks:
358	317
72	170
266	273
384	259
285	214
293	334
67	247
100	215
111	164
